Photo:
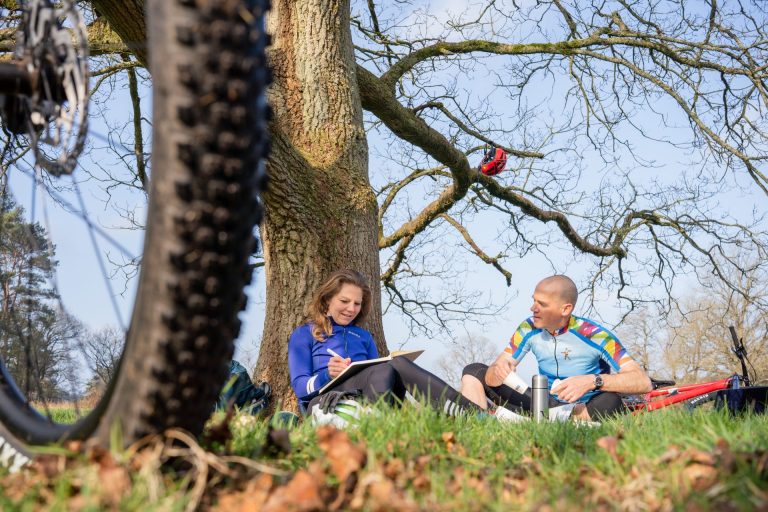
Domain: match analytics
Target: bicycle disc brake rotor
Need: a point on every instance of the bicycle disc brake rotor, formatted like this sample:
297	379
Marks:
57	54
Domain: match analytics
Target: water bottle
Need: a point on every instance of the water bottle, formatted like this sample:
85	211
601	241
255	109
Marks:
516	383
539	398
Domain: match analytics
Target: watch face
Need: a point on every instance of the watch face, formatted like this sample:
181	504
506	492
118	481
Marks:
598	381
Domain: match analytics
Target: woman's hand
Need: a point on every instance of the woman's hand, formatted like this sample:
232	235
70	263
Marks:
336	365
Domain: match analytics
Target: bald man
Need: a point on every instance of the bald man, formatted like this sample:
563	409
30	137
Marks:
586	366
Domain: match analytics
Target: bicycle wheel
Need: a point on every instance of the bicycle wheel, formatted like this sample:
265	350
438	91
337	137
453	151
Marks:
210	117
700	401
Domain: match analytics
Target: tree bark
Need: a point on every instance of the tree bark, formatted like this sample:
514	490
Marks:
321	212
126	18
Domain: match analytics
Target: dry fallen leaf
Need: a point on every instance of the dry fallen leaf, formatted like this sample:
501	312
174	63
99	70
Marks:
301	494
672	453
699	476
725	457
762	463
49	466
277	444
609	444
700	457
601	487
421	483
221	432
393	468
252	497
115	482
344	457
377	493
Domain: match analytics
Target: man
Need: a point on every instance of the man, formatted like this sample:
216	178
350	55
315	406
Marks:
575	354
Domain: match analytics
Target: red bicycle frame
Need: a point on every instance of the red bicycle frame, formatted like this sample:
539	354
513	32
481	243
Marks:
652	401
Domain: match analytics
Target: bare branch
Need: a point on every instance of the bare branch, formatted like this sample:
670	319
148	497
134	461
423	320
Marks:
479	252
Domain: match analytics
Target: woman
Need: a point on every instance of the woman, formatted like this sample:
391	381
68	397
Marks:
331	339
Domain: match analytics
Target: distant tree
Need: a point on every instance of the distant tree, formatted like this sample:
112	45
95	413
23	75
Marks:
698	344
26	260
102	350
693	343
470	348
640	334
35	332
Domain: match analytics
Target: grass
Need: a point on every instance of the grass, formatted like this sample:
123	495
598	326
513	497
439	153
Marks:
66	411
416	459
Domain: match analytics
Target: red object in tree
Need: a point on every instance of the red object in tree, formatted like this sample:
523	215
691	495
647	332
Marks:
494	161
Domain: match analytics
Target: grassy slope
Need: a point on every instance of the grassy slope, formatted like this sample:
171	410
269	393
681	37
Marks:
416	459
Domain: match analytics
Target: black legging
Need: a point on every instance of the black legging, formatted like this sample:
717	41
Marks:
389	381
601	405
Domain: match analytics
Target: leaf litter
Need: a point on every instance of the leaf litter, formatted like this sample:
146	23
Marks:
173	468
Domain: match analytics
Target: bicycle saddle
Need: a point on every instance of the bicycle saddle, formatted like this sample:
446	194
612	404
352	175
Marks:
656	383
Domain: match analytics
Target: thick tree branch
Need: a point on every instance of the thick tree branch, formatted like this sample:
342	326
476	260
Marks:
102	40
409	127
600	38
388	276
561	220
394	188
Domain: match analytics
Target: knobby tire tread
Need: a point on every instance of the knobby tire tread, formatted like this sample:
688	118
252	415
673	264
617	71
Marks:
218	138
210	139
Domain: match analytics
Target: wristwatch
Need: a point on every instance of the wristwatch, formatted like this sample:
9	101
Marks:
598	381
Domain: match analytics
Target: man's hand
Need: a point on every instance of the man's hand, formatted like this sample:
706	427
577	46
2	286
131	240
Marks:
336	365
498	371
573	388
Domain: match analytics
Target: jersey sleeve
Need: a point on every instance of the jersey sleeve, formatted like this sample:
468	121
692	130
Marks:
304	380
518	344
612	351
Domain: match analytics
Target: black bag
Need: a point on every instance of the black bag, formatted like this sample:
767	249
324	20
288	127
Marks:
737	400
240	391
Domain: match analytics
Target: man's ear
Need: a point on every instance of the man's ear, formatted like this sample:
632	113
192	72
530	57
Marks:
567	309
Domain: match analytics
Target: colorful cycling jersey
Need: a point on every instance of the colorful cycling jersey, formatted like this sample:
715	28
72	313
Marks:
577	349
308	358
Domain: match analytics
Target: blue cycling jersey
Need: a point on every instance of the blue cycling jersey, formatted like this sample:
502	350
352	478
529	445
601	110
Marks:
576	349
308	358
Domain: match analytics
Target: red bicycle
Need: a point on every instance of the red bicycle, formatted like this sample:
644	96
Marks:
734	392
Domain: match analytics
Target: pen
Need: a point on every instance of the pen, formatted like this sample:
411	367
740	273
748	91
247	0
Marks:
330	351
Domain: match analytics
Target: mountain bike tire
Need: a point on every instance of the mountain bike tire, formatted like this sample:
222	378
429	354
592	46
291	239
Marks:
699	401
210	138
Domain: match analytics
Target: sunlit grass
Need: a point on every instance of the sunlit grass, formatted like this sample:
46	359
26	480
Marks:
556	461
668	459
64	412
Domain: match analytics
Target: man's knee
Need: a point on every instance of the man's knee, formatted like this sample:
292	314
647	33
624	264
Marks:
471	383
476	370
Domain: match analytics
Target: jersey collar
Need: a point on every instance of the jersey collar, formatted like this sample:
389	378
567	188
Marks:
565	328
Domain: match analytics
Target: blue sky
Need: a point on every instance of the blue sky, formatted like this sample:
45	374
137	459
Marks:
88	298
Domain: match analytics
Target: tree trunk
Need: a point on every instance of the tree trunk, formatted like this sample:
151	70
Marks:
321	212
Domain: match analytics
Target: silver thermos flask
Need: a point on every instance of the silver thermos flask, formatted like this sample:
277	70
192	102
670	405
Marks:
539	398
